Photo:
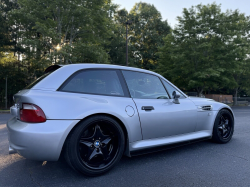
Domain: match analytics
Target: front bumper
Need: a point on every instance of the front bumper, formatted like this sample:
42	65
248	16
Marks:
38	141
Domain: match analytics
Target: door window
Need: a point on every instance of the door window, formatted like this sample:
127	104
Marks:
101	82
144	86
170	89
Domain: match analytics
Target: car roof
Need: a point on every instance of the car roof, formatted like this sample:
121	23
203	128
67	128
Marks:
108	66
57	78
62	72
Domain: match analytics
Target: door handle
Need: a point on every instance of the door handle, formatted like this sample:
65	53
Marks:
147	108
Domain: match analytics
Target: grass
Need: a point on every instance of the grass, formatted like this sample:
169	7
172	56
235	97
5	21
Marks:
4	110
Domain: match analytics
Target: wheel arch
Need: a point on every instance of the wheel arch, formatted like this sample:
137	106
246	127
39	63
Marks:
215	137
126	151
231	112
223	108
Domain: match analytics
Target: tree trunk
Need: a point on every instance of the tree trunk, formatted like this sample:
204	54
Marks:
59	30
235	97
199	90
200	93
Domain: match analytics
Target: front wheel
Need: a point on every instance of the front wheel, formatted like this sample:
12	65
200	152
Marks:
223	127
95	145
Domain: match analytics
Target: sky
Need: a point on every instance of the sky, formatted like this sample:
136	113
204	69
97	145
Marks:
170	9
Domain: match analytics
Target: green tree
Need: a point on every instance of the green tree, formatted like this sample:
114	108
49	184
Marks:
6	30
145	36
237	28
117	44
201	52
64	31
148	31
17	75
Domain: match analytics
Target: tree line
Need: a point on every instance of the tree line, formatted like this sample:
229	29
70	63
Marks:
207	51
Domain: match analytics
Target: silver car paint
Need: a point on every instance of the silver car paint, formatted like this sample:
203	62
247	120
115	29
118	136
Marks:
150	143
167	118
68	106
39	141
205	119
63	110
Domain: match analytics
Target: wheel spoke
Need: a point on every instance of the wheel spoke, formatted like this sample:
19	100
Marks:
221	128
99	145
98	132
94	153
105	153
106	141
226	122
223	119
88	144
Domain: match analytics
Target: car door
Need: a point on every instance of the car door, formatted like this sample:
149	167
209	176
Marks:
159	116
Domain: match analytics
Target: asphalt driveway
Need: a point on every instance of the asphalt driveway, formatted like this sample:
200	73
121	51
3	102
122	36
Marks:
199	164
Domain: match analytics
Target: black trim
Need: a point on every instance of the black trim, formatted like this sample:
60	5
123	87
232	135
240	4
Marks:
52	68
172	87
166	147
123	83
125	91
147	108
165	87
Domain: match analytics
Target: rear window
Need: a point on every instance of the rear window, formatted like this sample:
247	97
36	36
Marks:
37	81
101	82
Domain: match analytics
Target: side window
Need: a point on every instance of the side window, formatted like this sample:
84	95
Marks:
144	86
105	82
170	89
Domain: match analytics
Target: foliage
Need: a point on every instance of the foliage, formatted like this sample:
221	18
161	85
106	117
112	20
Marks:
148	32
6	31
117	45
17	76
238	32
145	36
206	49
64	31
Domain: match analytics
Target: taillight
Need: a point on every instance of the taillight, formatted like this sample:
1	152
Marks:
32	113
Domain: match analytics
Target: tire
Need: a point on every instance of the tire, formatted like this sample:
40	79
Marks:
223	127
95	145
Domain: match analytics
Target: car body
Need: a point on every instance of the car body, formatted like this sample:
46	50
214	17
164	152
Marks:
140	101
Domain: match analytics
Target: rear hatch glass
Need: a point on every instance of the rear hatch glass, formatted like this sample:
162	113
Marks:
48	71
37	81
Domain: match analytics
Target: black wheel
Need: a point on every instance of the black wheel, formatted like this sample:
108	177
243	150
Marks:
95	145
223	127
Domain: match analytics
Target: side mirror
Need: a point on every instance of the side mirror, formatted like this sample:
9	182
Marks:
176	95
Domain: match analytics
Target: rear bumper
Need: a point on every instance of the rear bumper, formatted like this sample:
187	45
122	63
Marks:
38	141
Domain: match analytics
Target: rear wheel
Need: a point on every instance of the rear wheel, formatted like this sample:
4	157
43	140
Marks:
223	127
95	145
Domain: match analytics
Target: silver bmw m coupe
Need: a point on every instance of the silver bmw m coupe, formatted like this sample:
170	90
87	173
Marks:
93	114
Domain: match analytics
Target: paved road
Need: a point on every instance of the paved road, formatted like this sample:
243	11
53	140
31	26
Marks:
199	164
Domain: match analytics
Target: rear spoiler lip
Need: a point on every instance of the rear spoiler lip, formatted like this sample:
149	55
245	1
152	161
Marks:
52	68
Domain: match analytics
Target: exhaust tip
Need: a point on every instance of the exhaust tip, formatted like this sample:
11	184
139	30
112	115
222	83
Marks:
11	151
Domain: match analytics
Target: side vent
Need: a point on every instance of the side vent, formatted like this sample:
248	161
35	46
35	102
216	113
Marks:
205	108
